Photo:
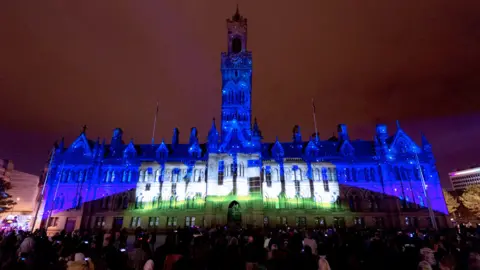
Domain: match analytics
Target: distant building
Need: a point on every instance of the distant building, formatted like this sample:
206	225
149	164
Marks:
465	178
24	191
236	178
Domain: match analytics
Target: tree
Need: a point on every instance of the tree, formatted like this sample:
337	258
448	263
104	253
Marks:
6	202
471	199
452	202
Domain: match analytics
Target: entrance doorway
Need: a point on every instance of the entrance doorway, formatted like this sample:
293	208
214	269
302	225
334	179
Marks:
234	214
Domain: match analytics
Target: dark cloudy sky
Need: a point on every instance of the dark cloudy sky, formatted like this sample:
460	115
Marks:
64	64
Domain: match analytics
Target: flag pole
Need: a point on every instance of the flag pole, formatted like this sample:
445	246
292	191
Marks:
424	186
154	125
315	120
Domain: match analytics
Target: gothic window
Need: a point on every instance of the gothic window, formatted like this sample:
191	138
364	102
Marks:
397	174
142	175
112	178
147	187
351	203
220	172
325	185
125	202
372	174
325	174
233	169
268	176
81	175
347	174
297	187
154	201
331	173
354	174
236	45
125	176
174	188
404	174
254	184
139	202
105	202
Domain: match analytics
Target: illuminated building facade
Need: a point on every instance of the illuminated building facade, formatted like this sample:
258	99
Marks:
237	178
465	178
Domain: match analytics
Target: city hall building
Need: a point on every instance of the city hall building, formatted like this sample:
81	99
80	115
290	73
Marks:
237	178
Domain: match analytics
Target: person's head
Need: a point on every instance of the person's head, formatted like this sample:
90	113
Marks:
79	257
250	239
307	250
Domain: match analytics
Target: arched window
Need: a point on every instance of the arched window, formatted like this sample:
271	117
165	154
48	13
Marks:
372	174
125	202
139	202
268	176
397	174
367	174
154	201
236	45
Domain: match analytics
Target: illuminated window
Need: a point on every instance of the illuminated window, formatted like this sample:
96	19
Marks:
135	222
220	172
153	222
53	222
254	184
325	186
172	222
320	221
339	222
297	187
147	187
407	221
99	222
139	202
189	221
359	221
301	221
268	176
174	188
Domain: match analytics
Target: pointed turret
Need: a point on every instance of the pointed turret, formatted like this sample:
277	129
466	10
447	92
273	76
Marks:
213	138
312	149
130	151
61	145
277	150
256	130
193	136
342	132
237	17
297	135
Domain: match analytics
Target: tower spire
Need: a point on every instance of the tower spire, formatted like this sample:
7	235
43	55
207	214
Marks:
237	17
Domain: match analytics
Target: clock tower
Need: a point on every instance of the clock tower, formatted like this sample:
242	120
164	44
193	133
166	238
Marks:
236	70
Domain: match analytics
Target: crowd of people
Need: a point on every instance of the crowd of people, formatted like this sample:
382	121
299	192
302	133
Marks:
236	248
